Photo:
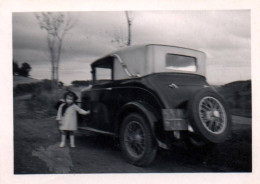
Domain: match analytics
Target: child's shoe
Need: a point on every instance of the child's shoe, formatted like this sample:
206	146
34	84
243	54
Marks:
72	141
62	144
63	139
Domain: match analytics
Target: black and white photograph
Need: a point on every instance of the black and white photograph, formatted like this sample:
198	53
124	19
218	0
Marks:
132	92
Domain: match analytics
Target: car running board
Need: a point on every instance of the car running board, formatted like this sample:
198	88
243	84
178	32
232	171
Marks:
96	130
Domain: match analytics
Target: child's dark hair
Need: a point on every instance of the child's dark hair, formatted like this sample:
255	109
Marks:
71	94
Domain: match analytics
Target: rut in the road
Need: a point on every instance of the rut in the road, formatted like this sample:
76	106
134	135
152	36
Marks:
57	159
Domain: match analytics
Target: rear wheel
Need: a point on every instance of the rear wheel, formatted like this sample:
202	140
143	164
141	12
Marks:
209	116
136	140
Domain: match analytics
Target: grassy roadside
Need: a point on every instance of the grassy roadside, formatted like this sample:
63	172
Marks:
30	132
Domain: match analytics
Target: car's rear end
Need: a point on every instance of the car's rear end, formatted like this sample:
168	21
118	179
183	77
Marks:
191	105
177	76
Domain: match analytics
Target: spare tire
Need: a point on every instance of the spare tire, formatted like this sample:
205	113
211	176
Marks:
209	116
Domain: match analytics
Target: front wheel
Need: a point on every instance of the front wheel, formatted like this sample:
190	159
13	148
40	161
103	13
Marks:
136	140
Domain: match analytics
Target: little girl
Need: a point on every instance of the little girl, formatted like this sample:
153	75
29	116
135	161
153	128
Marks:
67	117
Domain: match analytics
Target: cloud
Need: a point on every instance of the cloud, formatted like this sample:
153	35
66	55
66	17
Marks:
214	73
223	35
87	39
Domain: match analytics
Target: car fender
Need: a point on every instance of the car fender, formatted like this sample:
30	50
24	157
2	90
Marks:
147	111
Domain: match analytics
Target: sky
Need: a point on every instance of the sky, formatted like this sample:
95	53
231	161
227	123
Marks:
224	36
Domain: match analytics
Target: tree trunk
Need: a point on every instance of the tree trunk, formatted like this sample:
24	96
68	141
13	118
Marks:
129	29
58	57
52	70
56	74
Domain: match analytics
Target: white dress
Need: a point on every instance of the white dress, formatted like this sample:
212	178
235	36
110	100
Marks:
69	119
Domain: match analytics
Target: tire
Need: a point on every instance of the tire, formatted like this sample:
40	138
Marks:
136	140
209	116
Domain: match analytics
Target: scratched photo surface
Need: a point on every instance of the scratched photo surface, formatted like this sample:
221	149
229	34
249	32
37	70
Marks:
53	53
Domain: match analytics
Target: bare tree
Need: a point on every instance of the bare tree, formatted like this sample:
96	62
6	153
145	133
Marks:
129	24
119	37
56	25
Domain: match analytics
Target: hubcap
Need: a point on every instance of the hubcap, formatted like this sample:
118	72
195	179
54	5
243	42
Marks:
216	114
134	139
212	115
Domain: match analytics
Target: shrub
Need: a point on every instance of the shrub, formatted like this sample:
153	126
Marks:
238	96
43	102
43	97
78	83
29	88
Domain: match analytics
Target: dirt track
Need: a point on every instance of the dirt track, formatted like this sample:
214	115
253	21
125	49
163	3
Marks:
36	151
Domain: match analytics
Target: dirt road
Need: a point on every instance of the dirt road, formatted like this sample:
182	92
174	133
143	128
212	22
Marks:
36	151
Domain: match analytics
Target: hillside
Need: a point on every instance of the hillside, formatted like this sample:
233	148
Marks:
238	95
23	80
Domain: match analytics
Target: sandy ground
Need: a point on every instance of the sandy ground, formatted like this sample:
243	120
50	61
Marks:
36	151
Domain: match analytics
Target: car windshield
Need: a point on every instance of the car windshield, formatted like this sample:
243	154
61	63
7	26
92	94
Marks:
180	62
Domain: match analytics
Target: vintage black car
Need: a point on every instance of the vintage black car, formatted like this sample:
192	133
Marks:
151	96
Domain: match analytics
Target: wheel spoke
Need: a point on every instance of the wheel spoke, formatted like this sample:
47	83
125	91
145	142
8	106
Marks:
129	130
212	115
139	149
205	107
214	126
128	138
134	148
210	125
209	104
218	123
134	139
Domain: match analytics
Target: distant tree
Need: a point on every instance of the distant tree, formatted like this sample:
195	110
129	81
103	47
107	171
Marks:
25	69
56	25
81	83
15	68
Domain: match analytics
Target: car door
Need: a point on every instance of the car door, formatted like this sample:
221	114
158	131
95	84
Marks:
102	97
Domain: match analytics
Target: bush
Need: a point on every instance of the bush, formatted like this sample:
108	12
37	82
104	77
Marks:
29	88
43	97
78	83
238	96
22	89
42	103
